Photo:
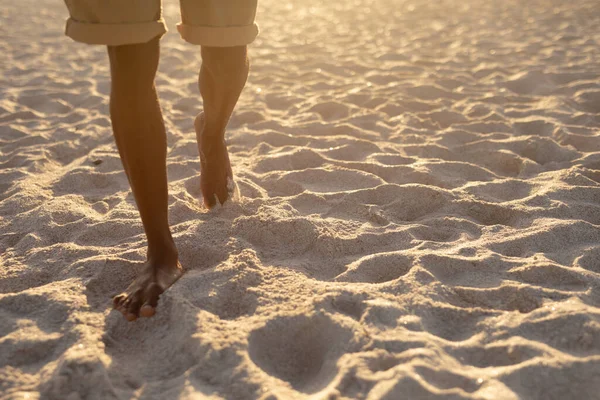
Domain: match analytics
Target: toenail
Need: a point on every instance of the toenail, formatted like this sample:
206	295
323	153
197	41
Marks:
147	311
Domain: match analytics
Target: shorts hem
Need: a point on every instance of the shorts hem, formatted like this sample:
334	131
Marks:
114	34
218	36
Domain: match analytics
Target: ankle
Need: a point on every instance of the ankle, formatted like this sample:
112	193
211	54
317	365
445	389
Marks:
163	254
210	143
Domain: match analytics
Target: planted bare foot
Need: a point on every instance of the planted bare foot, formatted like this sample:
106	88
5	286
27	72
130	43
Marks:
216	176
141	297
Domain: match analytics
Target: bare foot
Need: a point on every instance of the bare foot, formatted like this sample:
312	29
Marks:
216	177
141	297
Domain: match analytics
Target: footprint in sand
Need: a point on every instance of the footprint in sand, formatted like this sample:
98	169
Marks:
301	350
377	268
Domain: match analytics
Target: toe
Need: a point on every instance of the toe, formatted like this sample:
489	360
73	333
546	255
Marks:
147	311
223	197
119	303
209	201
151	294
208	193
123	306
222	193
117	300
133	309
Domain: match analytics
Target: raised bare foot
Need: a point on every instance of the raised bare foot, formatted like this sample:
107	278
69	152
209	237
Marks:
216	177
141	297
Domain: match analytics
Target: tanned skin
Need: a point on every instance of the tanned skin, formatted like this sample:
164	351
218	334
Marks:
141	139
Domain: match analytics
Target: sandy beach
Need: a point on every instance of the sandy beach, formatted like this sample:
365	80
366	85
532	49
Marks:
418	213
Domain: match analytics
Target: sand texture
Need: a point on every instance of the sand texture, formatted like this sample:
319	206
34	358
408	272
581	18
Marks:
419	214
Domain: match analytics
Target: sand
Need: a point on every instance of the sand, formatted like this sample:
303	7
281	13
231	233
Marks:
419	214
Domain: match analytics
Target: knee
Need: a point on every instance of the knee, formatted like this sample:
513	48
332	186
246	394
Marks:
134	66
226	63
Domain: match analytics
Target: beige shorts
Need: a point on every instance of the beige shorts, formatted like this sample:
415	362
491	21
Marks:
217	23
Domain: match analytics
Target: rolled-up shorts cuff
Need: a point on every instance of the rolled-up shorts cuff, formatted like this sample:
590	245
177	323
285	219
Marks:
114	34
217	36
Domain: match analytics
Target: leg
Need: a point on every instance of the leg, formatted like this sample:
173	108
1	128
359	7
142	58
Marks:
222	77
141	139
